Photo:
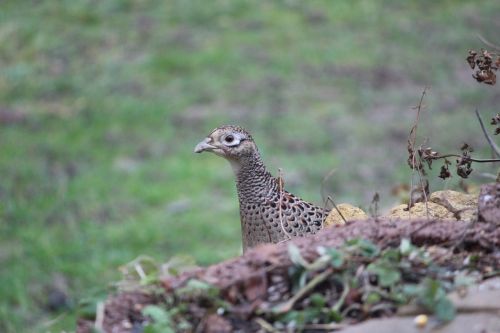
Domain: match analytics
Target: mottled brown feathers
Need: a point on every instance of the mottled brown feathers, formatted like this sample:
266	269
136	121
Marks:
268	213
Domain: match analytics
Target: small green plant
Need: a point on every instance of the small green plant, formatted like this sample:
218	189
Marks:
161	320
360	280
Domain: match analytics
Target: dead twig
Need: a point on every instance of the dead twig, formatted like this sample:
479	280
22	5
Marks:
488	160
329	199
342	297
288	305
325	200
411	149
492	144
323	182
424	191
265	325
99	317
374	206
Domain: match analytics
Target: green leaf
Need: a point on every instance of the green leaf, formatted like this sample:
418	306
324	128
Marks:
161	320
87	306
317	300
87	309
197	288
298	277
335	315
411	289
391	255
178	264
303	279
295	256
387	274
399	297
142	269
197	284
298	319
336	257
472	260
372	298
405	247
319	263
444	310
430	293
363	247
158	314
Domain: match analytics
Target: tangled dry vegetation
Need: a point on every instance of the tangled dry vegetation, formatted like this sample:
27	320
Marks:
433	262
485	65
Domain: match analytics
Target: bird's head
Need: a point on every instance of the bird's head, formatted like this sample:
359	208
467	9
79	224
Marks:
231	142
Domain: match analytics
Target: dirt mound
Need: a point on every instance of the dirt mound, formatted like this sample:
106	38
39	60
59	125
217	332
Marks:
319	283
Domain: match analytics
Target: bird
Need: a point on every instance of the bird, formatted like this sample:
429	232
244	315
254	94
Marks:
268	213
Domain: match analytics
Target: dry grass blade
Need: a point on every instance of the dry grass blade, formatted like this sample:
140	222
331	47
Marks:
266	326
323	182
325	198
488	43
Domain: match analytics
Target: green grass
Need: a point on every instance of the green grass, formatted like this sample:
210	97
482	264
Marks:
113	95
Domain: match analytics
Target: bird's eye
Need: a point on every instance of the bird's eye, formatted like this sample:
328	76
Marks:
229	138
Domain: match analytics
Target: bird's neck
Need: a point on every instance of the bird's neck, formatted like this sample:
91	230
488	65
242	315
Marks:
253	181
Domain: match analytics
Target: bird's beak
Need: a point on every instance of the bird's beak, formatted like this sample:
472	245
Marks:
203	146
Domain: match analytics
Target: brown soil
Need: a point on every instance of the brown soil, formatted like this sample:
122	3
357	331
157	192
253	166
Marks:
489	204
244	281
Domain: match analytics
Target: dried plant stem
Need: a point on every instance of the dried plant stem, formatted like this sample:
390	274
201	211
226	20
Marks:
99	318
329	199
374	206
323	182
325	200
413	139
288	305
492	144
424	192
340	301
266	326
490	160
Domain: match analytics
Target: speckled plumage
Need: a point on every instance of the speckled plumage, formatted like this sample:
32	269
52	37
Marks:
269	214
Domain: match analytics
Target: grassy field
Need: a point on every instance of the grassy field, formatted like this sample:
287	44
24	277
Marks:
102	102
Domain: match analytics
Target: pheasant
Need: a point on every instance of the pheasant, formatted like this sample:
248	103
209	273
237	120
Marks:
268	213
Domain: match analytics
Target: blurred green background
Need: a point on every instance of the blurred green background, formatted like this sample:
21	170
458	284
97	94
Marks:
102	102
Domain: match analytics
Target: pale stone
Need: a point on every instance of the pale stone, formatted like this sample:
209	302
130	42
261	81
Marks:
463	206
419	210
349	212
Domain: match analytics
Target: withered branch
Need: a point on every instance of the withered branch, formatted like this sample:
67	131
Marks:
492	144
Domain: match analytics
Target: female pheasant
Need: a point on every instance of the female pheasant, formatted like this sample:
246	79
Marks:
268	213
